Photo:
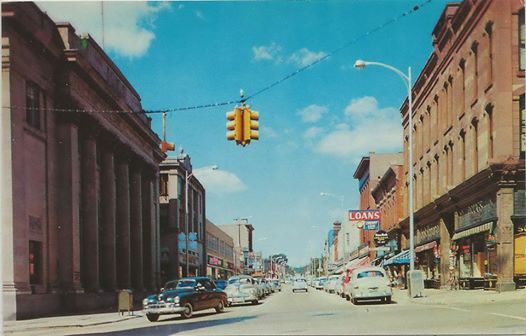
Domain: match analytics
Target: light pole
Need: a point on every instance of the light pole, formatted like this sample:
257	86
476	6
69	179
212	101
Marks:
187	177
360	64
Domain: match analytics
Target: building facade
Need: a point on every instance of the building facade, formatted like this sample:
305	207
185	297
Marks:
183	233
81	197
368	173
220	252
469	142
241	232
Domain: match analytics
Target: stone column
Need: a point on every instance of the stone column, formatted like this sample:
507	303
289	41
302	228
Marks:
504	238
108	258
147	235
68	201
136	229
123	225
90	217
445	243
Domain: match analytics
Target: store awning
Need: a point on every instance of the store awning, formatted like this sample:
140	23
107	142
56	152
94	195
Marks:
477	229
401	258
358	263
426	246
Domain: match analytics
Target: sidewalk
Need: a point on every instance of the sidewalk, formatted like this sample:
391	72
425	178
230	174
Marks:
450	297
23	327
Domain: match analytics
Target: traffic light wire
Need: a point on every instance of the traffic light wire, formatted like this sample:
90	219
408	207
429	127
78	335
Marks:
260	91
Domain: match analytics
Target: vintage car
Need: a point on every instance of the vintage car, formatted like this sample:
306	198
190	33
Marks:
221	284
330	285
241	289
276	285
299	284
368	283
191	294
320	283
338	287
265	286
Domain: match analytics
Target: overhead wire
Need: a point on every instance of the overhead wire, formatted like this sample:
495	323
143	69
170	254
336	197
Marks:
260	91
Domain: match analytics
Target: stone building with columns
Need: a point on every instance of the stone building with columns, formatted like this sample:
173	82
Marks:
80	186
469	142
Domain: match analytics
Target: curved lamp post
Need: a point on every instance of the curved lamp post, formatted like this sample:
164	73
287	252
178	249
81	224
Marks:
360	64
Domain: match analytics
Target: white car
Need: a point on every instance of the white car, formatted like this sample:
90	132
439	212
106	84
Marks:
330	285
338	288
368	283
241	289
299	285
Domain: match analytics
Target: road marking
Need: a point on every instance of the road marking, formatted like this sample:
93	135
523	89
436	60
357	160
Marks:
510	316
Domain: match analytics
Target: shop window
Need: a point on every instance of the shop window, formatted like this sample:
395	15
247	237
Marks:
33	105
522	108
35	262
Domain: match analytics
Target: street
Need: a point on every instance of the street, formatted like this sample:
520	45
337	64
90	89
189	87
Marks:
319	313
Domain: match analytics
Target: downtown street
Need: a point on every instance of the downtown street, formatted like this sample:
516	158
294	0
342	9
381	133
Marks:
313	313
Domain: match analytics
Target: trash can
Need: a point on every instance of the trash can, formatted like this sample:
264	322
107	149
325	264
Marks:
125	301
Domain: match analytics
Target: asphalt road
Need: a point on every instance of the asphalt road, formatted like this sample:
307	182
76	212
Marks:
319	313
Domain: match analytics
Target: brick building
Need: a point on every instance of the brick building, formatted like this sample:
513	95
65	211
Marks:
80	188
220	252
469	142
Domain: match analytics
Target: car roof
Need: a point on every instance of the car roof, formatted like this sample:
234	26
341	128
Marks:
368	268
194	278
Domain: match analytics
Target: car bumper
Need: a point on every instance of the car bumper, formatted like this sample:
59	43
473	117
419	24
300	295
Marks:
242	299
372	295
167	308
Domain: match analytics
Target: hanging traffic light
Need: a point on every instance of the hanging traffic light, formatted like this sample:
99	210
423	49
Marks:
235	125
250	125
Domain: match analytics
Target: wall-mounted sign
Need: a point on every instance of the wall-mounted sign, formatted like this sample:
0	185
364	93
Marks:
477	213
364	215
380	238
427	234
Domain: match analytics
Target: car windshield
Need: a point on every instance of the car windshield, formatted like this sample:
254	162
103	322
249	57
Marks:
370	274
300	280
242	281
186	284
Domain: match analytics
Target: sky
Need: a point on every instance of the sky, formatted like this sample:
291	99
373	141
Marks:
314	126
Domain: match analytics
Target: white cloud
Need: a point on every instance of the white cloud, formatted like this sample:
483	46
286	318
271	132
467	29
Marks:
128	26
370	129
219	181
312	132
312	113
266	53
304	57
269	133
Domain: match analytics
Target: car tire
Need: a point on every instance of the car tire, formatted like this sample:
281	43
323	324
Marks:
254	302
188	310
152	317
220	307
387	299
354	301
293	291
347	297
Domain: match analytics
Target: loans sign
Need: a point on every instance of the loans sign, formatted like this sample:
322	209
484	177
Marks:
366	219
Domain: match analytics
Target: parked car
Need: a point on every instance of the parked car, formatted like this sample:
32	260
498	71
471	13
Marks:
368	283
299	284
169	285
276	285
191	294
241	289
221	284
338	287
321	282
331	283
315	283
265	285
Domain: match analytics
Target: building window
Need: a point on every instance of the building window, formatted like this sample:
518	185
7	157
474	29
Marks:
474	125
435	119
437	175
451	165
474	50
462	103
180	187
522	41
462	155
33	105
489	53
489	112
35	262
163	185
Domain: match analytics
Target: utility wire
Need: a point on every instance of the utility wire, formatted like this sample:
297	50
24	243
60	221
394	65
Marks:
262	90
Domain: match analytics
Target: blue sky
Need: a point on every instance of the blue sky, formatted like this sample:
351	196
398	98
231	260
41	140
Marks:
314	127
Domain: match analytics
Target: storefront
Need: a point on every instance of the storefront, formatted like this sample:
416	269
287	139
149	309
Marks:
519	237
427	253
474	245
218	268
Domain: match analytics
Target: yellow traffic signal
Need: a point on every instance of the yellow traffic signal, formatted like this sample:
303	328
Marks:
235	125
250	125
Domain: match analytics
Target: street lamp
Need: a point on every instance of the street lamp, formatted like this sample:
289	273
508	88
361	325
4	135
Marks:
360	64
187	177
